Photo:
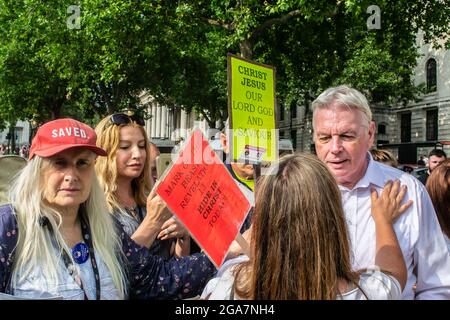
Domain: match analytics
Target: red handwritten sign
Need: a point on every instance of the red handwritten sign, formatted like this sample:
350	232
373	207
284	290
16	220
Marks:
201	192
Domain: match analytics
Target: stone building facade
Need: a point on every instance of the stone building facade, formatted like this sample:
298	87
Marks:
168	126
417	128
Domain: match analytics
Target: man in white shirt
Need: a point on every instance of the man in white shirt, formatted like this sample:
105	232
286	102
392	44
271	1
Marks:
343	134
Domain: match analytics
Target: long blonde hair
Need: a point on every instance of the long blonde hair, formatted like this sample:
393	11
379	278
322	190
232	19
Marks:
35	244
108	137
300	243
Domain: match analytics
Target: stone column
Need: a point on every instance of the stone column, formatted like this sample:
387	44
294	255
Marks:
153	132
163	121
158	122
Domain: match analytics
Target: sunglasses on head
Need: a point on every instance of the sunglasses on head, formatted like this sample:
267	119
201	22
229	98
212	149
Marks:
122	118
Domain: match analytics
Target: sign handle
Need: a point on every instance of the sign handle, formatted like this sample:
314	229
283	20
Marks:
244	244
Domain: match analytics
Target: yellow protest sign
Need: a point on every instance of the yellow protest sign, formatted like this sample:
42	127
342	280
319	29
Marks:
251	108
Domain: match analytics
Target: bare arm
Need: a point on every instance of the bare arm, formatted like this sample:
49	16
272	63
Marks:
173	228
183	246
157	213
385	209
236	248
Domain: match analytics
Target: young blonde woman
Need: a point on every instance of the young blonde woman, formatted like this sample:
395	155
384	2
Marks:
126	180
58	240
300	247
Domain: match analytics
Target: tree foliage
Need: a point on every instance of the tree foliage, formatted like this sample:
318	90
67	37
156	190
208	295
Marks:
317	44
49	69
176	51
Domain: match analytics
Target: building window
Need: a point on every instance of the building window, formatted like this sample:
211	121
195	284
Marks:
431	75
405	127
381	128
432	124
294	139
293	110
281	112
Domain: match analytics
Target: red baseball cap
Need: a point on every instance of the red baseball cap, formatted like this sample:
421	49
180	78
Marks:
62	134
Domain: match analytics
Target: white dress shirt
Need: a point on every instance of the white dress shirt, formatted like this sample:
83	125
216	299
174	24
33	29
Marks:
421	239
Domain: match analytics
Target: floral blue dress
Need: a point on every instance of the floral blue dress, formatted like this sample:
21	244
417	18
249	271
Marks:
150	276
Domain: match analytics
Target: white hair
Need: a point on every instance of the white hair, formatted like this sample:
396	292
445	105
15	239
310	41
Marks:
35	243
343	96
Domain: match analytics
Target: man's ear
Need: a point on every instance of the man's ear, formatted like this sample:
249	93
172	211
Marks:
224	142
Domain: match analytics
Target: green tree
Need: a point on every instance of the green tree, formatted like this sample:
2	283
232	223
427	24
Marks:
176	51
317	44
33	77
50	68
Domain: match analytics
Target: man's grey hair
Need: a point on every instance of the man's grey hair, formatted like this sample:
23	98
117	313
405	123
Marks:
343	96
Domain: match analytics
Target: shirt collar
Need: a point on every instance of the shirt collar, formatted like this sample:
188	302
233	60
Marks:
372	176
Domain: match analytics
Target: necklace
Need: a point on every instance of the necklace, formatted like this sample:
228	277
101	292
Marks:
135	212
132	211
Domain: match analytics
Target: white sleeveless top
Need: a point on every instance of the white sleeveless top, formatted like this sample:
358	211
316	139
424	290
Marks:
375	284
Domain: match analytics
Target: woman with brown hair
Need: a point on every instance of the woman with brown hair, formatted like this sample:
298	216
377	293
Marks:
300	245
438	186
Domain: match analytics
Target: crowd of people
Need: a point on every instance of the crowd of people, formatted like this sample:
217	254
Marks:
83	220
22	151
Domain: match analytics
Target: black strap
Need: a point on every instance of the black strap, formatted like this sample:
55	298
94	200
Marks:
140	213
8	273
88	238
71	268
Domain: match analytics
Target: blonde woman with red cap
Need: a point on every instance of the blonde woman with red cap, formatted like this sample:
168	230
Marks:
58	240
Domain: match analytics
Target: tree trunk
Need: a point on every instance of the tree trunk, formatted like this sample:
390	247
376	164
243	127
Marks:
12	133
111	108
246	48
207	118
56	111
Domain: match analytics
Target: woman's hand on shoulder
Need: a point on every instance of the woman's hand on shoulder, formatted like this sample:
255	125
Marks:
388	206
